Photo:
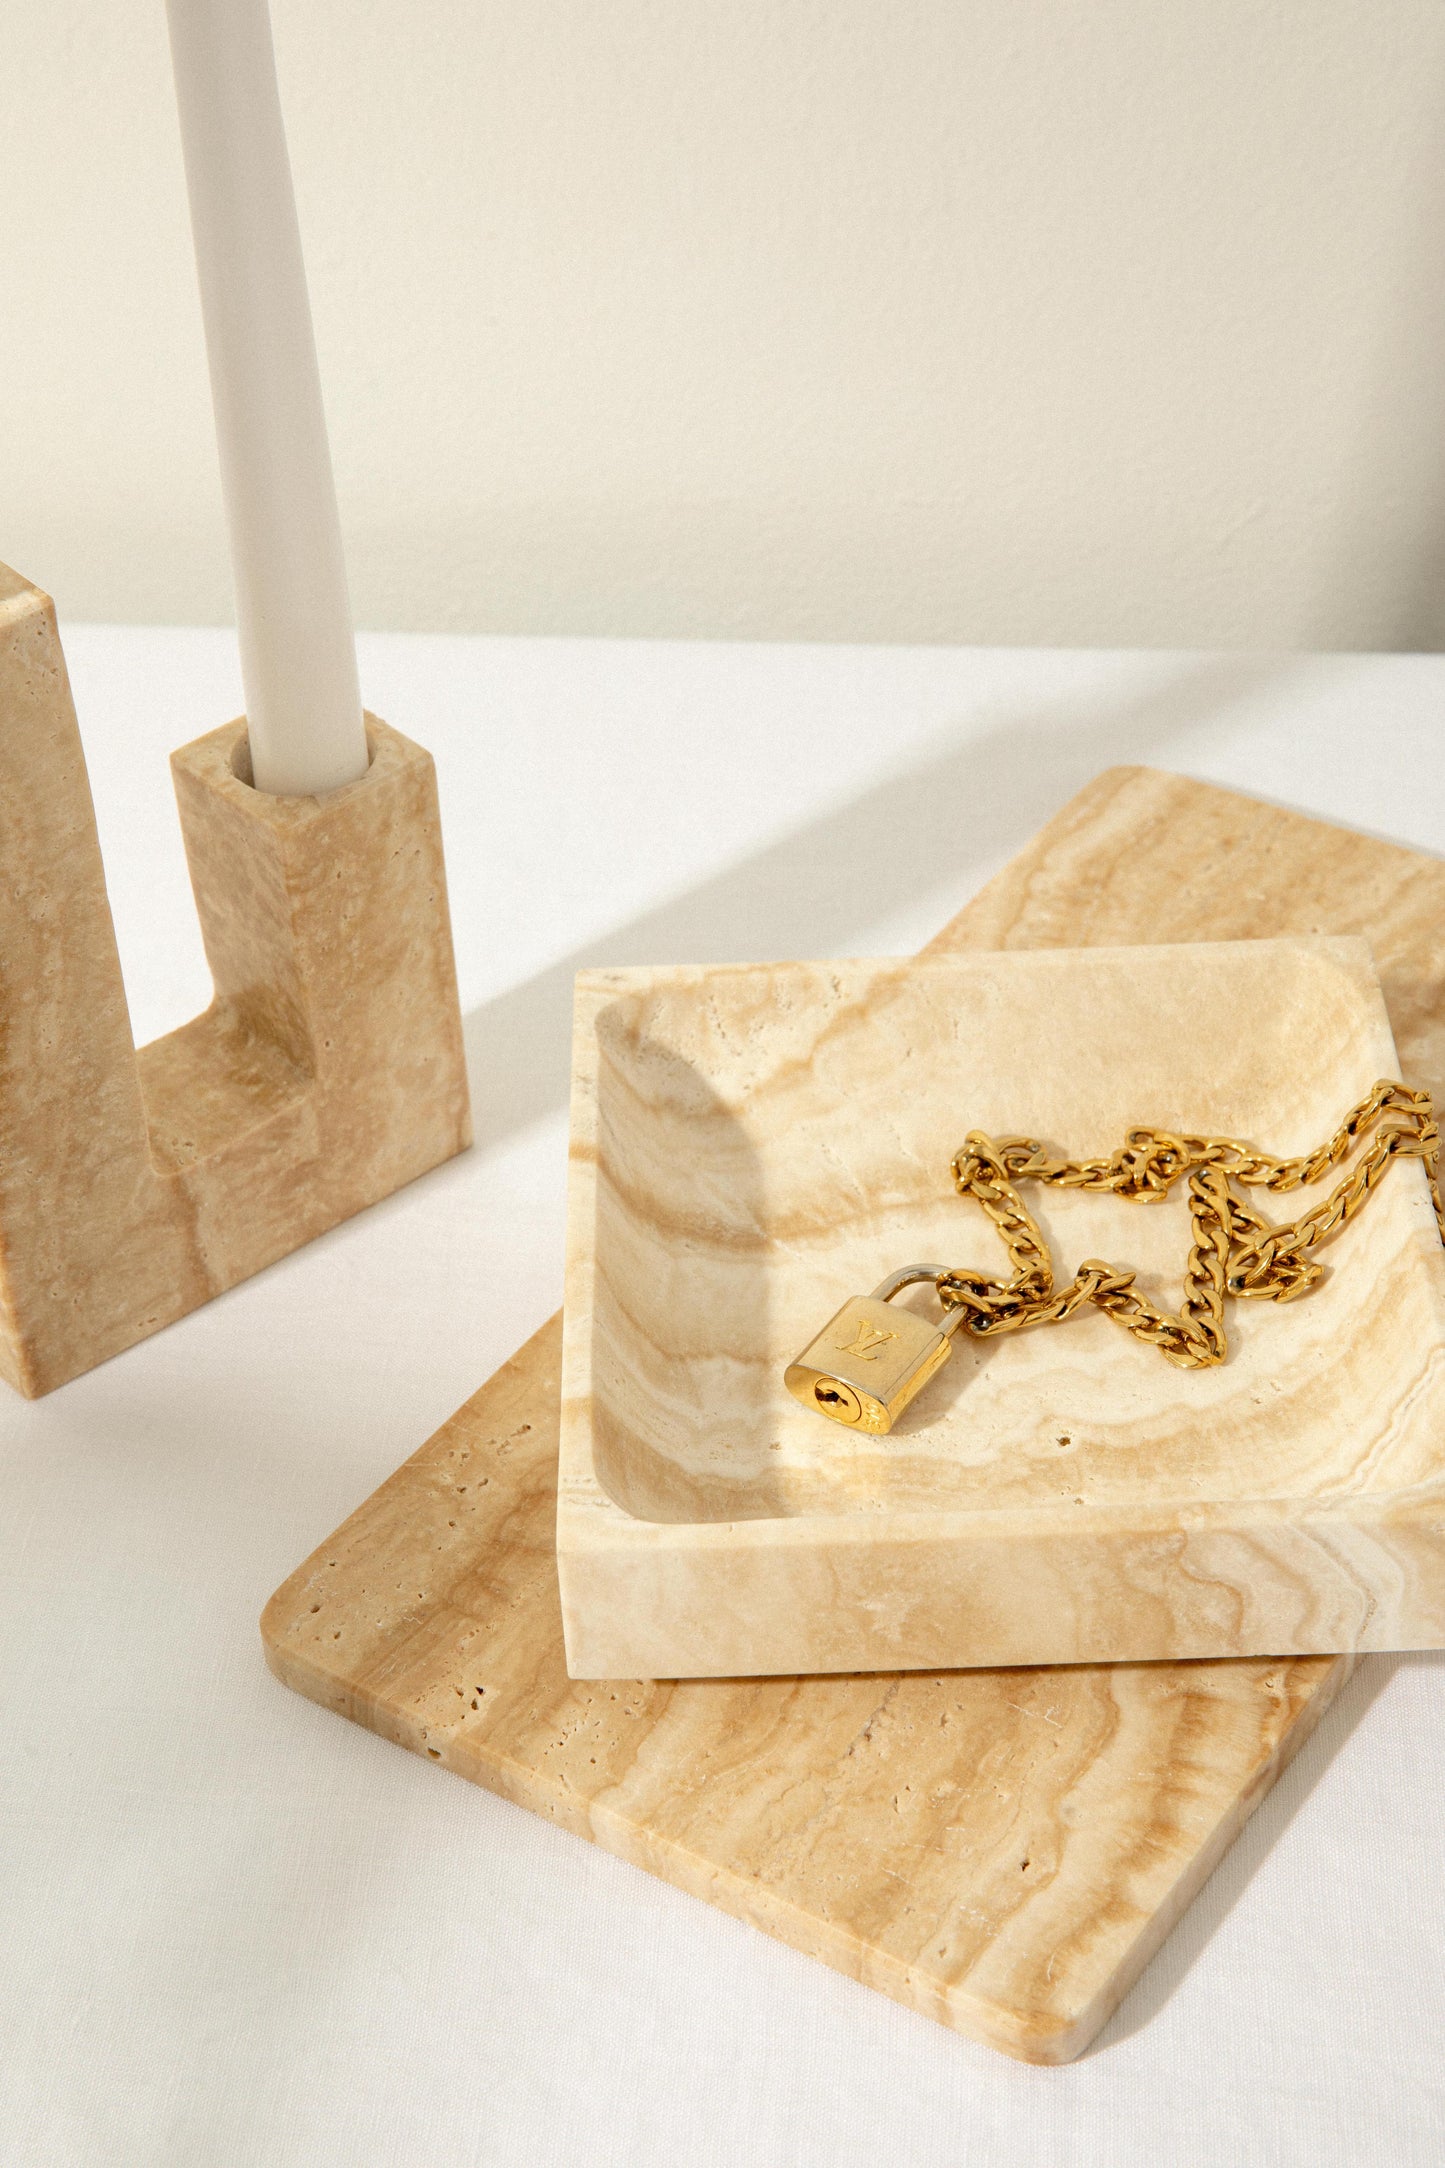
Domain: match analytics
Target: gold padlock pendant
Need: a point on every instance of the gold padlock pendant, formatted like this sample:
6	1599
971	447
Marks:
870	1360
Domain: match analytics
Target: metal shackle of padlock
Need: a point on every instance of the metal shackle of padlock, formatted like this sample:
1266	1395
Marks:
869	1361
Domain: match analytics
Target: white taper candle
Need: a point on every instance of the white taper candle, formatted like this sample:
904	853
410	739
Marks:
293	612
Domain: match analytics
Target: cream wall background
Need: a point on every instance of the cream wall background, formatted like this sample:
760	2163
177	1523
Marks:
983	320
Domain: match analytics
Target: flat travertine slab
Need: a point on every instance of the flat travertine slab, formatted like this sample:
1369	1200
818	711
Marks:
1000	1850
752	1145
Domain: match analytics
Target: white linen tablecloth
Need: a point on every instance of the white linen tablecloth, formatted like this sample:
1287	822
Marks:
239	1930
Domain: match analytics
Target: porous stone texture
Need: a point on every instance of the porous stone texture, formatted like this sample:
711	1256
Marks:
751	1145
1000	1850
327	1071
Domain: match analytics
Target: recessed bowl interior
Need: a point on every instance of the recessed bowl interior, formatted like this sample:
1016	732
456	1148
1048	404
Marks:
770	1140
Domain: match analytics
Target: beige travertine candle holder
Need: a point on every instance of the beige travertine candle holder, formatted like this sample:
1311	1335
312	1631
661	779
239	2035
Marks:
135	1184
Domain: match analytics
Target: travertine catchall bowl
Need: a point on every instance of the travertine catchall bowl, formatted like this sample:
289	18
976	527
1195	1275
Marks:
751	1145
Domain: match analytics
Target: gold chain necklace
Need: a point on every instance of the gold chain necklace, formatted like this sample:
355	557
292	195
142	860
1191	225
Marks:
870	1360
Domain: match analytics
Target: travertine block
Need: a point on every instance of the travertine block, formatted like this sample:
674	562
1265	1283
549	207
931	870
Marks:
327	1071
1000	1850
752	1145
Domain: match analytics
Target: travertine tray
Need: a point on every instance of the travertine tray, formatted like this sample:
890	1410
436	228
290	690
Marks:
1000	1850
753	1145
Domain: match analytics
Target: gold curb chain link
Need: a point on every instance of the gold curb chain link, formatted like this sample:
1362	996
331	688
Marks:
1235	1250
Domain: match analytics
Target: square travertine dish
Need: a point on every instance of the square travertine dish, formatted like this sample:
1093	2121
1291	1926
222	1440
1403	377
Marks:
752	1145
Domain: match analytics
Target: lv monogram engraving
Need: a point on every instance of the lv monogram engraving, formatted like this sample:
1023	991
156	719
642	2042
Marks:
866	1342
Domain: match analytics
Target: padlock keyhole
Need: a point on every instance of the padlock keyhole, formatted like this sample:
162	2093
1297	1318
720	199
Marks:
838	1400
